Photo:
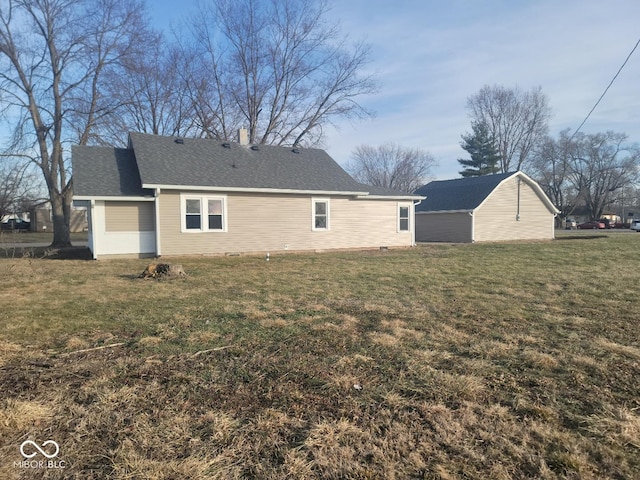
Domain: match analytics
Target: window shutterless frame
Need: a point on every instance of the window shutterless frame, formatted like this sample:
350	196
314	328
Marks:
320	214
404	217
203	213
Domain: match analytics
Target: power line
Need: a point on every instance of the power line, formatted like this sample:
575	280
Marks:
606	90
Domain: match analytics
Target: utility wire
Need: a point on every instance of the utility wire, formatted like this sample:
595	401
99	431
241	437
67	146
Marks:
606	90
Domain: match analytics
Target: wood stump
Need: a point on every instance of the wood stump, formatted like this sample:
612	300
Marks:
163	270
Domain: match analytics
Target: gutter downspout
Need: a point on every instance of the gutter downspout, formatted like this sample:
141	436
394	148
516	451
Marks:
94	239
473	226
157	221
413	224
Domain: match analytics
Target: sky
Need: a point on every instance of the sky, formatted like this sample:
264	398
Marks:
430	56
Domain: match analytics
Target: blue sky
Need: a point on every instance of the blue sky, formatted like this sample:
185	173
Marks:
432	55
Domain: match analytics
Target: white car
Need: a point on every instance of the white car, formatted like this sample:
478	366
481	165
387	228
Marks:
635	225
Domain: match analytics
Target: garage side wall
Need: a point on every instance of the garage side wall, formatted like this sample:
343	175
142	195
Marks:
505	215
444	227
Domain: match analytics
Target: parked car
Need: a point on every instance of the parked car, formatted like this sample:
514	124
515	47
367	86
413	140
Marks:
16	224
570	224
591	225
608	223
635	225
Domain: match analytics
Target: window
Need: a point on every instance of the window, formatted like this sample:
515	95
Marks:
215	213
320	214
203	214
403	218
193	217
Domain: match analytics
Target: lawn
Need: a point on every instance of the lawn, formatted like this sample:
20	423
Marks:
517	360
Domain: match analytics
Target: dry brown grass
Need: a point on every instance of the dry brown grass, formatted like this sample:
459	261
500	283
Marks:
477	361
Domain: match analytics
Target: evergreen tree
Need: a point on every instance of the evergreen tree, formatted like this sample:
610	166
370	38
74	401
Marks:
485	158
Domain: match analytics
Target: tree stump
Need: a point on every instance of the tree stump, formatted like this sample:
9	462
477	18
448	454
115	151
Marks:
163	270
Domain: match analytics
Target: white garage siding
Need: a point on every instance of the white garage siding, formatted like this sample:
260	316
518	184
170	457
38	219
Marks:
509	215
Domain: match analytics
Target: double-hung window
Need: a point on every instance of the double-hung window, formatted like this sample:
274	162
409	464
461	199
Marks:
320	214
403	218
203	213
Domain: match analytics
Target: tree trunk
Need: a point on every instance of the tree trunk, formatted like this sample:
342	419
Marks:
61	210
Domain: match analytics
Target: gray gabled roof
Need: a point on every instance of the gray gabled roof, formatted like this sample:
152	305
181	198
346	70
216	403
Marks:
464	194
197	162
468	193
153	161
106	172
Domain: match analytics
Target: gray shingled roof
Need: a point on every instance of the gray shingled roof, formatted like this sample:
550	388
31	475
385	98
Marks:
463	194
168	162
213	163
106	172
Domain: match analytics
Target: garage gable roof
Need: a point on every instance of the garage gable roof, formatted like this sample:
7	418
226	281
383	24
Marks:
463	194
468	193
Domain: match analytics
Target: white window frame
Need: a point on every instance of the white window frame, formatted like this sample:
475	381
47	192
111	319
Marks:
204	216
408	218
315	201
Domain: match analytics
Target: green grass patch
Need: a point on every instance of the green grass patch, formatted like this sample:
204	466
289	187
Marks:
516	360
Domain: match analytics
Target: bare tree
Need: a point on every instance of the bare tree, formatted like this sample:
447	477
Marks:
276	67
18	187
391	166
516	120
601	164
53	58
152	94
551	166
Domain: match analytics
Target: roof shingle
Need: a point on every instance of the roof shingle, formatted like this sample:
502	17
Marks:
463	194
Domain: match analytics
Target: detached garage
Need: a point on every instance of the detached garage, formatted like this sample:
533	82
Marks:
507	206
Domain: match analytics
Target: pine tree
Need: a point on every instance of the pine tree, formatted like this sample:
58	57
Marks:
485	158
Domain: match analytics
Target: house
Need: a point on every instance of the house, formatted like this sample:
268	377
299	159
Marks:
42	218
507	206
166	196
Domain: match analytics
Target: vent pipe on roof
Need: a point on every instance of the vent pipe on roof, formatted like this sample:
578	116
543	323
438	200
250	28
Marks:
243	136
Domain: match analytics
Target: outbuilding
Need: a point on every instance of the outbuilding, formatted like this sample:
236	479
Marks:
502	207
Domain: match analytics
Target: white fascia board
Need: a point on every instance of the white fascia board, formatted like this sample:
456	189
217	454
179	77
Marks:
250	190
113	199
391	197
445	211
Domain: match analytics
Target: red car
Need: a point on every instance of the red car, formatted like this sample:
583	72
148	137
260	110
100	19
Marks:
591	225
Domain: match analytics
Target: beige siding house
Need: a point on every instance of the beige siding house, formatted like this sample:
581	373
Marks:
166	196
508	206
42	220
